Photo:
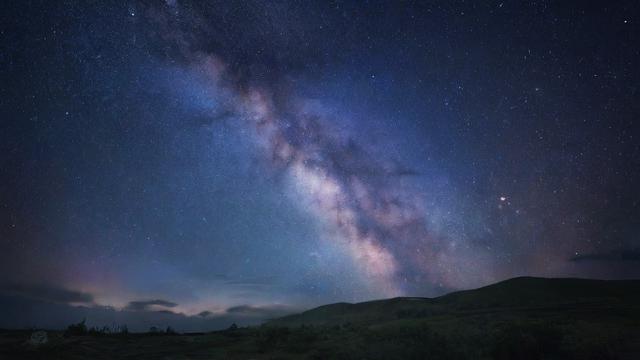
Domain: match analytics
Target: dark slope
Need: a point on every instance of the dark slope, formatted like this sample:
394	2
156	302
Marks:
530	291
522	292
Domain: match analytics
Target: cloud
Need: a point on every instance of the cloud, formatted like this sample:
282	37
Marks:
265	312
148	305
23	312
614	255
49	293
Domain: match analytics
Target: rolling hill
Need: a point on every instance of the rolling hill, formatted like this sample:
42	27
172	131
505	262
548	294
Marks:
522	293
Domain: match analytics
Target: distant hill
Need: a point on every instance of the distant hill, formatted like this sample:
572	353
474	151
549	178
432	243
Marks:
528	293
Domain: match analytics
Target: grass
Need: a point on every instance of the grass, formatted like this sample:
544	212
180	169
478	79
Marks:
523	318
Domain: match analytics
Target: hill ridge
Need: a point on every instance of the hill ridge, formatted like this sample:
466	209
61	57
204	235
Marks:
521	291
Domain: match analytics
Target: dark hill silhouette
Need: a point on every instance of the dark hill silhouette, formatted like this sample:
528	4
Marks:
522	292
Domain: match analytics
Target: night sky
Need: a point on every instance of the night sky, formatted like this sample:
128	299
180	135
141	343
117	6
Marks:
197	164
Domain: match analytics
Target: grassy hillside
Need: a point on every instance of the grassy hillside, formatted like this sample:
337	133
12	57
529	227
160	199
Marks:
521	318
523	292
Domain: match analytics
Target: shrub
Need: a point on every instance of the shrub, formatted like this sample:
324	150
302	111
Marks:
124	330
77	329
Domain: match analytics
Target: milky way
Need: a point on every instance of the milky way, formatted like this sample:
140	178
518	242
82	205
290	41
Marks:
374	217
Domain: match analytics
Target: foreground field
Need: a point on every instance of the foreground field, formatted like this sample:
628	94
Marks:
525	318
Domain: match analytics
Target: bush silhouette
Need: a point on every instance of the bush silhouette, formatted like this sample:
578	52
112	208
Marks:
77	329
